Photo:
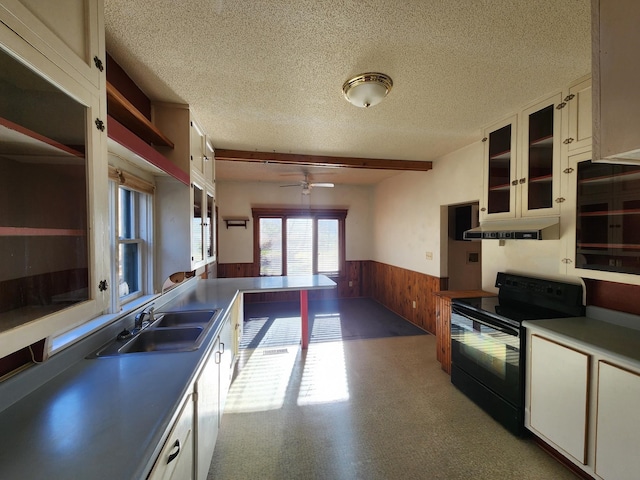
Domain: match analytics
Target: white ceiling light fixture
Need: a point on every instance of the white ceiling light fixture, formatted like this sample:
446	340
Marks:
367	89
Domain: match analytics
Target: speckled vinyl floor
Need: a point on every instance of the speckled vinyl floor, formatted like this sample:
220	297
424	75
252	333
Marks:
363	409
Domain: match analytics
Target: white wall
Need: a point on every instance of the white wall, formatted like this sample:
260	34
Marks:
235	199
410	220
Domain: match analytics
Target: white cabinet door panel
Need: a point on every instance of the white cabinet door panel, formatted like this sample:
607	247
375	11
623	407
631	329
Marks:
558	395
618	423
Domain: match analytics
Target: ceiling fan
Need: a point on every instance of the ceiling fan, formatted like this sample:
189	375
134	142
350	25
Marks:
307	185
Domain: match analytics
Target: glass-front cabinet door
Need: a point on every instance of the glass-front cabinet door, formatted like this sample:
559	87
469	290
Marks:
538	177
522	164
197	225
499	172
210	228
53	219
608	217
602	215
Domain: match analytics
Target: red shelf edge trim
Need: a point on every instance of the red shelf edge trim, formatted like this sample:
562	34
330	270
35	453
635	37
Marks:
125	137
619	246
40	232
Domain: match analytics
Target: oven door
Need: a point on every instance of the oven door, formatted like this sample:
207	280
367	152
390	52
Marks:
487	351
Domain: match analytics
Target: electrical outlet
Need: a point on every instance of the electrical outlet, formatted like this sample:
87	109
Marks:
414	304
429	255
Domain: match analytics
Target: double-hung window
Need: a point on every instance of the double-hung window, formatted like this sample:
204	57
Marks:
131	224
299	242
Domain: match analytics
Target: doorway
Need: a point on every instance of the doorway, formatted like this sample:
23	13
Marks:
464	257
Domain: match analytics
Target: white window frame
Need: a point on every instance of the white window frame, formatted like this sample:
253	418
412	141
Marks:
143	213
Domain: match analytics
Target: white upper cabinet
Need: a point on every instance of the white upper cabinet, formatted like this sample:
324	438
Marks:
522	163
186	213
69	32
54	218
616	76
579	118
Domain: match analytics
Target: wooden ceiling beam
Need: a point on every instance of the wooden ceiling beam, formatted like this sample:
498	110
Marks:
322	161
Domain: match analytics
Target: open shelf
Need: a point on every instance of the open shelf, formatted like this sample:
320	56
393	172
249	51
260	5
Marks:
543	142
502	156
541	179
128	115
21	144
609	246
500	188
623	177
606	213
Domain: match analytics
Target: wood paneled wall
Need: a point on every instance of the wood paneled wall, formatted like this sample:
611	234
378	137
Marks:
614	296
397	288
394	287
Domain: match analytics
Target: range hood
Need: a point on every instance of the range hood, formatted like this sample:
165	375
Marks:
516	229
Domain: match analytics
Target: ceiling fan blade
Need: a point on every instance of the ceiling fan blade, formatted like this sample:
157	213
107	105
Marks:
328	185
292	185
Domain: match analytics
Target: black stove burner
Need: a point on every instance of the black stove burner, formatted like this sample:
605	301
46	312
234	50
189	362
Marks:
527	298
517	312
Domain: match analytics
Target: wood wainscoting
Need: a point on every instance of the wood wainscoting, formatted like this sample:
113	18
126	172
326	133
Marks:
397	288
394	287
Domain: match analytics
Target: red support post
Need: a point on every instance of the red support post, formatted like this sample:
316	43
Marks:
304	315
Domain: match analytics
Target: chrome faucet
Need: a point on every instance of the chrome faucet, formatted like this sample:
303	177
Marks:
140	322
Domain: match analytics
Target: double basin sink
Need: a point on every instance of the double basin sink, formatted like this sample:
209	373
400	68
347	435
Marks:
169	332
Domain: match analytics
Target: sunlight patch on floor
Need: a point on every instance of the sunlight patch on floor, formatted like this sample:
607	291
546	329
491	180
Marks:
262	381
324	378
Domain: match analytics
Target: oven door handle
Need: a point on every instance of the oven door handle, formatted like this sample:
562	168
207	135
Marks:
501	328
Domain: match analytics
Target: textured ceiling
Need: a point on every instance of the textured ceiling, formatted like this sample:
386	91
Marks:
267	75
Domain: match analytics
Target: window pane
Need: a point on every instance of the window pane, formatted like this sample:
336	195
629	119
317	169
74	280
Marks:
328	251
299	246
270	246
127	216
129	269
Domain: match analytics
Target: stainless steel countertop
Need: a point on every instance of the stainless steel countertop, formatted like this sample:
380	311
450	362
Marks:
105	418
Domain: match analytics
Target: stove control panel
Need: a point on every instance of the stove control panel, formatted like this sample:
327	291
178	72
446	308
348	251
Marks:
564	297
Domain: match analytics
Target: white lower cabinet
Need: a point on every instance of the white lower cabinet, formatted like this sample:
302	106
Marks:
617	423
176	458
212	386
226	360
583	402
188	451
208	408
558	395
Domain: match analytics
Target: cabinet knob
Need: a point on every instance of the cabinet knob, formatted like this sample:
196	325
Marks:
523	180
98	63
566	261
569	97
568	170
568	141
515	182
483	209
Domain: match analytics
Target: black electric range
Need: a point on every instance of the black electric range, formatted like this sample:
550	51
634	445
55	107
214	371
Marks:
487	341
